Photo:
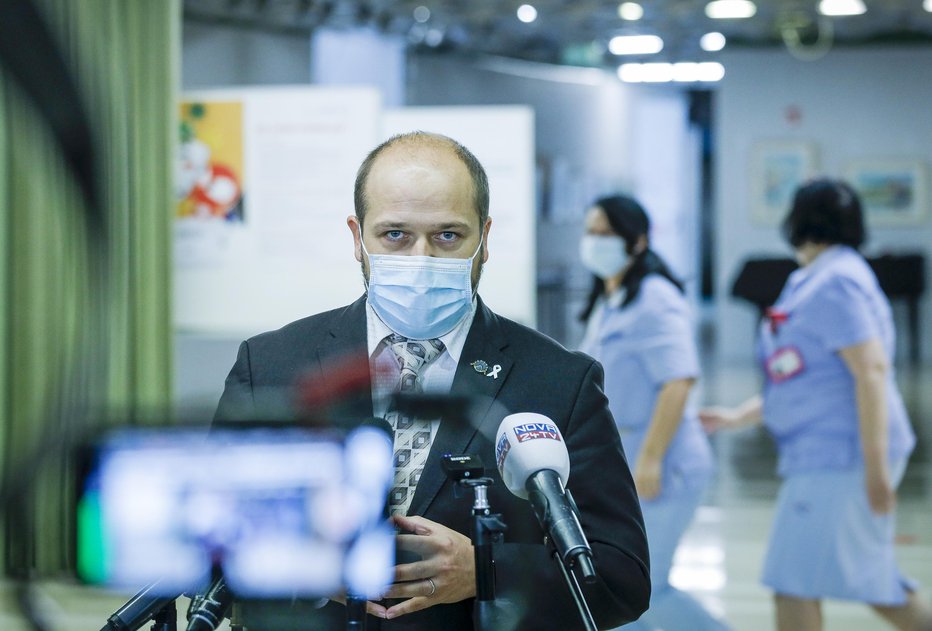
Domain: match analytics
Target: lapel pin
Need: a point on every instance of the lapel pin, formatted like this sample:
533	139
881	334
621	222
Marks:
494	372
480	366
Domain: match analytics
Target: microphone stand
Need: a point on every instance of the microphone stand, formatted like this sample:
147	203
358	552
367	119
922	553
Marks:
166	619
584	562
576	592
466	471
487	527
355	613
489	613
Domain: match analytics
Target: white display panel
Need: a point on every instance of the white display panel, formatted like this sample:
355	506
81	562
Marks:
284	251
502	138
291	253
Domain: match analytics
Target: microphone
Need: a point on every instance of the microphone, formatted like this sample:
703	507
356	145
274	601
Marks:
139	609
208	611
534	464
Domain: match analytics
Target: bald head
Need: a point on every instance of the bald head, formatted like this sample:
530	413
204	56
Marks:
425	148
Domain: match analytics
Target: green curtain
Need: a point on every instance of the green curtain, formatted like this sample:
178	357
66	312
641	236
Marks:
85	325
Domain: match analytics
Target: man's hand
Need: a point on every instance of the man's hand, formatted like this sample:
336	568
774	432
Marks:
446	572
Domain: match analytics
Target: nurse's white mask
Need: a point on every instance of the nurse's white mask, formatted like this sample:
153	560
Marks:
603	255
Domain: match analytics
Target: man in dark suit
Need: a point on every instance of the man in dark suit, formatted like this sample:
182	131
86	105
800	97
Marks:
421	235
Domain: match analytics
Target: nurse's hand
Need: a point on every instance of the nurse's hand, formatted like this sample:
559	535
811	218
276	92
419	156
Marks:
647	476
880	492
748	413
716	418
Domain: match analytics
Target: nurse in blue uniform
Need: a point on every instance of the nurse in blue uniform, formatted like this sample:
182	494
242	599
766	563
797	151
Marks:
640	328
831	402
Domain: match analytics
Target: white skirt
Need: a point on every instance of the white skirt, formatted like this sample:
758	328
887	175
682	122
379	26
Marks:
827	543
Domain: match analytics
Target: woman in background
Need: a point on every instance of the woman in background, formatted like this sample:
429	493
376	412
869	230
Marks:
640	328
843	437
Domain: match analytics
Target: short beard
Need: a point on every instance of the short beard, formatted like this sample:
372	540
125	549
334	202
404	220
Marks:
365	277
475	282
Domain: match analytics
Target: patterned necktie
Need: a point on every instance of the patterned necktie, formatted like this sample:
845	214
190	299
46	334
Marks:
412	435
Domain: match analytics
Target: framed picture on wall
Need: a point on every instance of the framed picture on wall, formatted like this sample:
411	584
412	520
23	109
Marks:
893	192
778	167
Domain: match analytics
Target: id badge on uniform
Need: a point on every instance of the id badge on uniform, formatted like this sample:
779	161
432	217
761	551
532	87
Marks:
784	363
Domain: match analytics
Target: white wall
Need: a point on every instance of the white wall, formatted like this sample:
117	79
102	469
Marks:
853	104
581	114
597	136
502	139
581	139
217	55
346	57
666	163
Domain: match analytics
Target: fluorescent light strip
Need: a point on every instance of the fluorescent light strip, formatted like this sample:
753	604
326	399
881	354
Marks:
837	8
711	71
661	72
635	45
683	72
730	9
686	72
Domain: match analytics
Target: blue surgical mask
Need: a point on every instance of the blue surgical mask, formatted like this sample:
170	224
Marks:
603	255
420	297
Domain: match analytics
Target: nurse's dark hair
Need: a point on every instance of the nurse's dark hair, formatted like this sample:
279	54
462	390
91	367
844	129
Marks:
825	211
629	221
417	139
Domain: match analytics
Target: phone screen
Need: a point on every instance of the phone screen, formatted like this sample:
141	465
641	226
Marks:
282	512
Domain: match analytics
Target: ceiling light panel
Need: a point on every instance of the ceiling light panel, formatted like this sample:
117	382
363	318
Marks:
682	72
527	13
842	7
635	45
712	42
630	11
730	9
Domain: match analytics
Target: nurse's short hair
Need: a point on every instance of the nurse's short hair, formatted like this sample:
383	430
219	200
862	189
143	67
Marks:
825	211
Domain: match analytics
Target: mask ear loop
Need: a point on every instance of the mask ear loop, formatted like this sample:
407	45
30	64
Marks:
478	249
365	277
362	244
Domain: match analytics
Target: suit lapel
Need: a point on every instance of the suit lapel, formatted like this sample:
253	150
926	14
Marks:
484	343
343	364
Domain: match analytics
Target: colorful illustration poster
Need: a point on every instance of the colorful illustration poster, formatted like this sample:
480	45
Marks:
265	183
209	171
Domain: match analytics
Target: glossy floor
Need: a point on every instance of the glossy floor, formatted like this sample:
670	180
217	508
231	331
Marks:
721	556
